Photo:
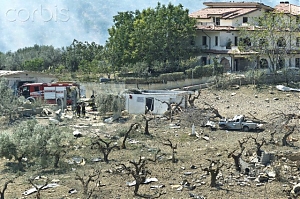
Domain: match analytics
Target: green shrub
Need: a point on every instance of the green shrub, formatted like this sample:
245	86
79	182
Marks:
129	74
208	70
172	76
204	71
150	80
198	72
189	73
219	69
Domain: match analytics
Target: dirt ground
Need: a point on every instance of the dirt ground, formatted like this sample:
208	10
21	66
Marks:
185	178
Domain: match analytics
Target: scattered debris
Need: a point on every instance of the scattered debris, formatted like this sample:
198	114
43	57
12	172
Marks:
53	121
77	160
96	159
147	181
206	138
72	191
33	190
175	126
77	134
187	173
157	186
296	190
286	89
131	141
211	124
109	120
196	196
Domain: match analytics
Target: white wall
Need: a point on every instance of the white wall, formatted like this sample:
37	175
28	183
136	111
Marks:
226	36
239	20
226	22
223	37
159	107
35	77
136	104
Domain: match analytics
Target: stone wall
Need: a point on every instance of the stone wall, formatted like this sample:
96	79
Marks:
187	84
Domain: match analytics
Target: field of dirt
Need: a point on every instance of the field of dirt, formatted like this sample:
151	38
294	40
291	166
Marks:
187	177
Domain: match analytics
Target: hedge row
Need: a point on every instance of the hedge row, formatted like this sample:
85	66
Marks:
172	76
197	72
137	80
204	71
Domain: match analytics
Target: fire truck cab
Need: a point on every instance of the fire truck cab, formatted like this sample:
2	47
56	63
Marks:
51	93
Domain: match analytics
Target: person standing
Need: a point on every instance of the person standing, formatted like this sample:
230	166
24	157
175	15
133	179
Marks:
78	109
83	109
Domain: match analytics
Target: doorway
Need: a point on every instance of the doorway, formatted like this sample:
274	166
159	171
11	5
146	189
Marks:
149	103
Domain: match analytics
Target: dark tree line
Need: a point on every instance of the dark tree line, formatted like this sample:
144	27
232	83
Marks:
152	40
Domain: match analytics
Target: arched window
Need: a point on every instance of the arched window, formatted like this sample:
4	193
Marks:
226	64
264	64
281	42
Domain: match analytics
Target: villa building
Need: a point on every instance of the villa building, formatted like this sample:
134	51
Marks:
218	34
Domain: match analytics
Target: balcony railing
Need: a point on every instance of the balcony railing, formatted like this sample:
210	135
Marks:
206	23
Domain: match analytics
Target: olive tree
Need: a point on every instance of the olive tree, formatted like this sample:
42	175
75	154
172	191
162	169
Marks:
9	102
18	145
110	103
52	142
34	142
89	180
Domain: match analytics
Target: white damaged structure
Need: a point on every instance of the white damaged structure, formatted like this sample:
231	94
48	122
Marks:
156	101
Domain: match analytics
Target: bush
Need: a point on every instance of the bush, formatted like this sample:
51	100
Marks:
219	69
208	70
204	71
127	74
137	80
198	72
172	76
189	73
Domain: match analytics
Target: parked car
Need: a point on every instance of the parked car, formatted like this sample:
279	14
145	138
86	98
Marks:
239	123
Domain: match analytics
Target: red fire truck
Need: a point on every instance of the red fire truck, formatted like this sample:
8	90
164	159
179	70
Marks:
51	93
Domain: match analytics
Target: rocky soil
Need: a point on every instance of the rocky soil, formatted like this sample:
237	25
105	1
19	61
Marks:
188	176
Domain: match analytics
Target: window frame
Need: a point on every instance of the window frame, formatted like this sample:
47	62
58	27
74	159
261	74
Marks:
297	62
217	21
216	41
298	41
204	40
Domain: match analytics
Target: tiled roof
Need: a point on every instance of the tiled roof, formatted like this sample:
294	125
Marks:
216	28
241	4
9	72
224	13
4	73
228	10
288	8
